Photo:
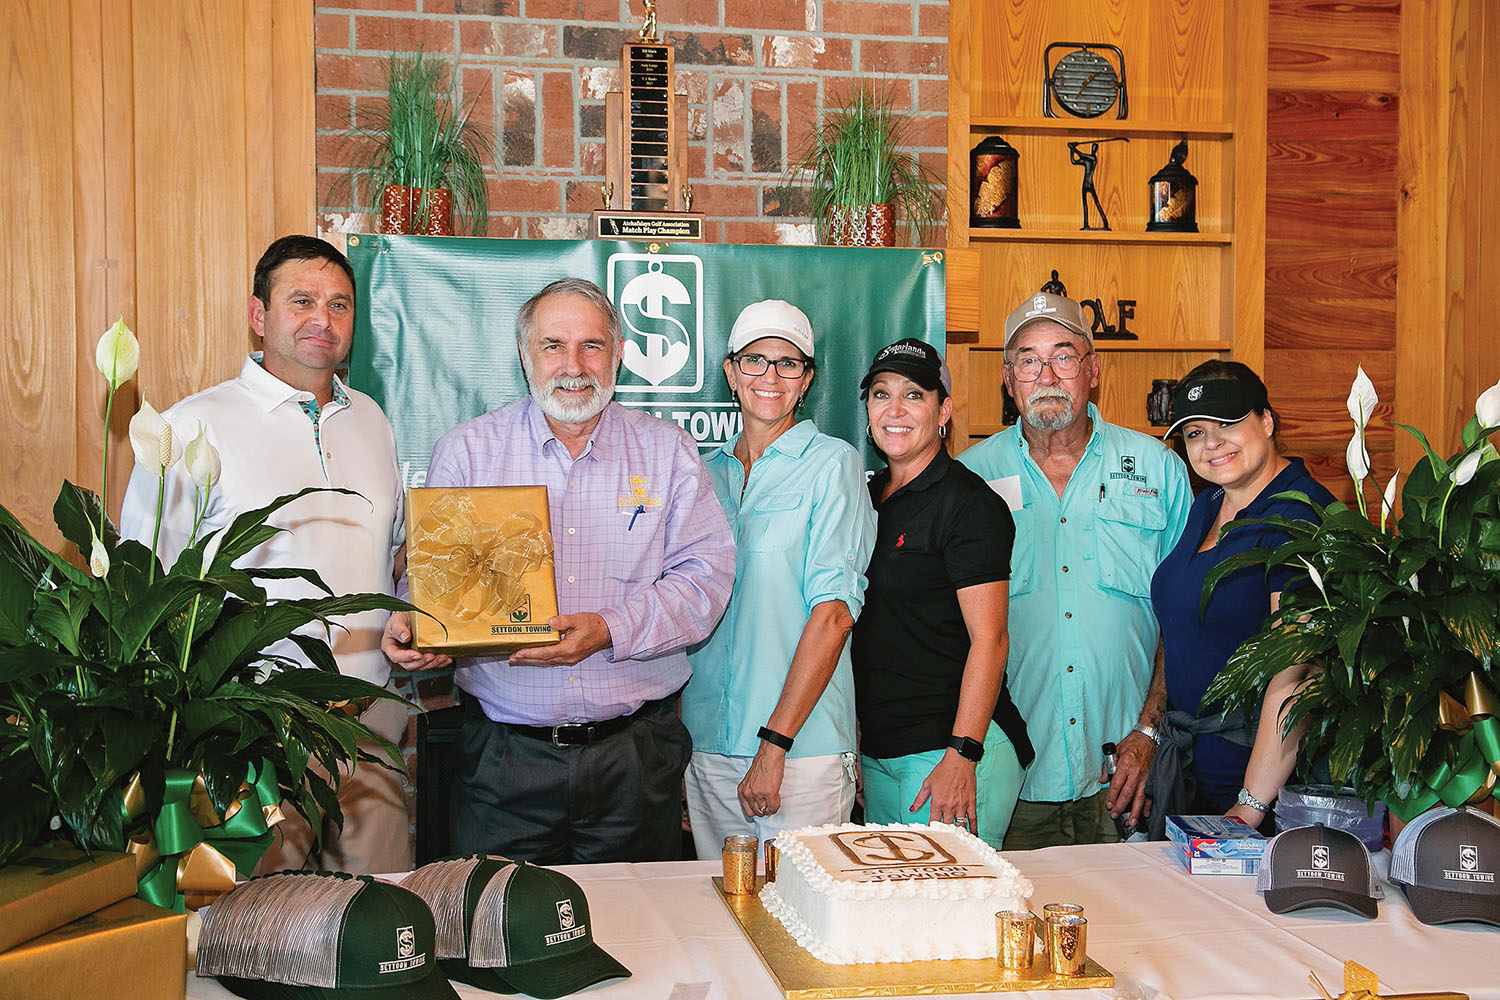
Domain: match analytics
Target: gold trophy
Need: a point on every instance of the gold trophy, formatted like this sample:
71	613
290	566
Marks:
646	195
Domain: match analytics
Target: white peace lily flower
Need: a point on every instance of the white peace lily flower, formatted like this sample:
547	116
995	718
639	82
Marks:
202	460
1317	578
151	437
1362	398
1388	499
1357	458
210	550
1466	468
1487	407
98	557
118	354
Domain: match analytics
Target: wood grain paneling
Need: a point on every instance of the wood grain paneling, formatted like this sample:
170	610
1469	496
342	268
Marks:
36	273
153	150
1322	115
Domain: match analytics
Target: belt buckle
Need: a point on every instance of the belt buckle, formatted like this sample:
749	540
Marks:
558	738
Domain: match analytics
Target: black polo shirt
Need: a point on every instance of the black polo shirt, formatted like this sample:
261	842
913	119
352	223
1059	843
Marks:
941	532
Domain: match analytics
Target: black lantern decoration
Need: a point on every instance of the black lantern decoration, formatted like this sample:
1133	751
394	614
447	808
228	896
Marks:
1159	402
994	178
1174	196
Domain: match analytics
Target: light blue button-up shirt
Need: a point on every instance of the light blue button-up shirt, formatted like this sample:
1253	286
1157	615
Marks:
804	530
1083	636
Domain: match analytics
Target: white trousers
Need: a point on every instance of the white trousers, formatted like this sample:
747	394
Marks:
814	791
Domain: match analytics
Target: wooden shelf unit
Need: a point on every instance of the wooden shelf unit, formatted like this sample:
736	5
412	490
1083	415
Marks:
1194	72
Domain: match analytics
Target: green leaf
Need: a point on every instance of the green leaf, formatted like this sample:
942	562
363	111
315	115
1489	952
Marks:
1472	620
60	613
1437	460
77	513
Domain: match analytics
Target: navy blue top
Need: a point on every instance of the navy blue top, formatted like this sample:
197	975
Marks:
1198	648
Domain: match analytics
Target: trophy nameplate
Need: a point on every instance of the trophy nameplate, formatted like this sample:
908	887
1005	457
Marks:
646	195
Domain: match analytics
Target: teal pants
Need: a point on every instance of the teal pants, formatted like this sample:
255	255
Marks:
892	783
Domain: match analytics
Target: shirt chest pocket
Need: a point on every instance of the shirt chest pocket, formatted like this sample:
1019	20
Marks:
773	524
1128	543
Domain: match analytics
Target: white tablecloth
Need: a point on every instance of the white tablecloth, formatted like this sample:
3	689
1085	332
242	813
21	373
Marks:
1164	934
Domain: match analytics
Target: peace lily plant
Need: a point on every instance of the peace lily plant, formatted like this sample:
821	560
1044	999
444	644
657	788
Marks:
136	707
1400	621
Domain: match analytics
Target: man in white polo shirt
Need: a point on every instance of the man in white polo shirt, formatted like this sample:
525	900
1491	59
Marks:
287	422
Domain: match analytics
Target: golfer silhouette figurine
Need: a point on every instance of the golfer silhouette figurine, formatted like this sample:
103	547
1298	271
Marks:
1088	161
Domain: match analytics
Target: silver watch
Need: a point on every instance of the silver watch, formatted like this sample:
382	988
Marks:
1149	732
1246	799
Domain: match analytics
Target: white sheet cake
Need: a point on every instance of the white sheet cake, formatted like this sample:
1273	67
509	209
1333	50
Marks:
851	894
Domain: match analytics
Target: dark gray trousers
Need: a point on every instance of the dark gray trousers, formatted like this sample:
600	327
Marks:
619	799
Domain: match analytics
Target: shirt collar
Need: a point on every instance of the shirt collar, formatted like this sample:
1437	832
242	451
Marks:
601	442
270	392
935	471
792	442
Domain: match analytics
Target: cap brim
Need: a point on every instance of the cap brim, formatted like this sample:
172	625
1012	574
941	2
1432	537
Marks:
1302	897
551	978
1026	323
434	987
1176	424
749	337
1439	906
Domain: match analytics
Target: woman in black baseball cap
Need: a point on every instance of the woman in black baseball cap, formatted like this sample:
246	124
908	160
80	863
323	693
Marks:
939	736
1230	765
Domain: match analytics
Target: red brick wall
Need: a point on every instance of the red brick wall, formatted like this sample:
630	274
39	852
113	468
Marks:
756	74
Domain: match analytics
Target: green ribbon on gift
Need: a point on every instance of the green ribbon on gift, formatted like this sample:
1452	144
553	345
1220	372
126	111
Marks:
186	823
1477	773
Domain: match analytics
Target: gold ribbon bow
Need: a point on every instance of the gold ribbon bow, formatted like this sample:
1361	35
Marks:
1475	722
474	568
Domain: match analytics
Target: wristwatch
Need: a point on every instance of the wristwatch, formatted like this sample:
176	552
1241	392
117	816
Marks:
1246	799
1149	732
970	750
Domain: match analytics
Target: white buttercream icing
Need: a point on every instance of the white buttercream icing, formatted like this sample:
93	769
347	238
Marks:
897	893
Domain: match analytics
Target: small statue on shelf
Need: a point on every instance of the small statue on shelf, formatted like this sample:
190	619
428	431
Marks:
1088	161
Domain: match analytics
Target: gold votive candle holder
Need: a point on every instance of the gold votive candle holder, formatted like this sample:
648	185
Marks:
773	855
739	864
1014	930
1067	944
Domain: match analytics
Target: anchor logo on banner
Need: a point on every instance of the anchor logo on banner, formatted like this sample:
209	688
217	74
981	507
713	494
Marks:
657	308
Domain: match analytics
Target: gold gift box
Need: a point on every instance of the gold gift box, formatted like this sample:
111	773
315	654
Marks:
51	886
479	560
129	950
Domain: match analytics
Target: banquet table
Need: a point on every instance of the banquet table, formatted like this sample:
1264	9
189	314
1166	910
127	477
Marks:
1164	934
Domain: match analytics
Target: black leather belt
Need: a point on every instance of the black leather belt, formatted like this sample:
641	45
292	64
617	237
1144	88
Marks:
581	734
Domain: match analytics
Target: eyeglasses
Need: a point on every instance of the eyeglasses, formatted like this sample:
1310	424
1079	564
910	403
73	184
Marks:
1029	367
756	364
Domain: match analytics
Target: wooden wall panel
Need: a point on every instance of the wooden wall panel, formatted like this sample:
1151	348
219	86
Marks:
1331	207
36	271
153	149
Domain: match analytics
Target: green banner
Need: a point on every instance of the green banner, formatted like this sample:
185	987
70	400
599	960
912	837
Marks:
435	340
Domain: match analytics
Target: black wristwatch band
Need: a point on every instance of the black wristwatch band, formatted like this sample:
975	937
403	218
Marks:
774	738
968	749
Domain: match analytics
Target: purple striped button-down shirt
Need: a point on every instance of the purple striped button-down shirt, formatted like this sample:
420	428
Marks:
638	537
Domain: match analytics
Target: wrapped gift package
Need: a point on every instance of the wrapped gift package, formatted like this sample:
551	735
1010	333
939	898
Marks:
129	950
1216	845
479	561
50	886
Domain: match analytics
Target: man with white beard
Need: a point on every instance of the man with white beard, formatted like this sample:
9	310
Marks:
1097	507
574	752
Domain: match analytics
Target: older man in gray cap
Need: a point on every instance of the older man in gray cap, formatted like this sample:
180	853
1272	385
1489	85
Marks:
1097	507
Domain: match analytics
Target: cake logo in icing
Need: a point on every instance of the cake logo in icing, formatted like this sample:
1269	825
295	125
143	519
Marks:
887	848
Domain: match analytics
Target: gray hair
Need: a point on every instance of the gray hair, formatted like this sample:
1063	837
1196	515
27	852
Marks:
526	318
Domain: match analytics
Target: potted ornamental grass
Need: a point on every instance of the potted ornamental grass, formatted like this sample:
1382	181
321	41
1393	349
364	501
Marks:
424	153
1399	618
862	175
137	710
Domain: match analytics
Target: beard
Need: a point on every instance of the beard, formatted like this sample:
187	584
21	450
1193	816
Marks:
573	411
1055	418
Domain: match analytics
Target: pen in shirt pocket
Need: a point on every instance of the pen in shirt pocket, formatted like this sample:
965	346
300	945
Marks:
639	510
1101	492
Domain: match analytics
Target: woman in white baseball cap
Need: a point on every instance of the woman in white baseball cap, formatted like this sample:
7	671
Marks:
1210	763
771	702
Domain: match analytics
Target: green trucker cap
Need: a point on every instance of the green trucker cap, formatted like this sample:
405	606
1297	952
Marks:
322	936
512	927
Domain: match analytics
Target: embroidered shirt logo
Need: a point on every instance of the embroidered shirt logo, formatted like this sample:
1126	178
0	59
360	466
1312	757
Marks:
1127	464
901	539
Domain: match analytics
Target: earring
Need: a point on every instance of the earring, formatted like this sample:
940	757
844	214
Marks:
943	431
869	434
800	400
734	394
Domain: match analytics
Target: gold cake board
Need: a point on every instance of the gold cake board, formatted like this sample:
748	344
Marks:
799	976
